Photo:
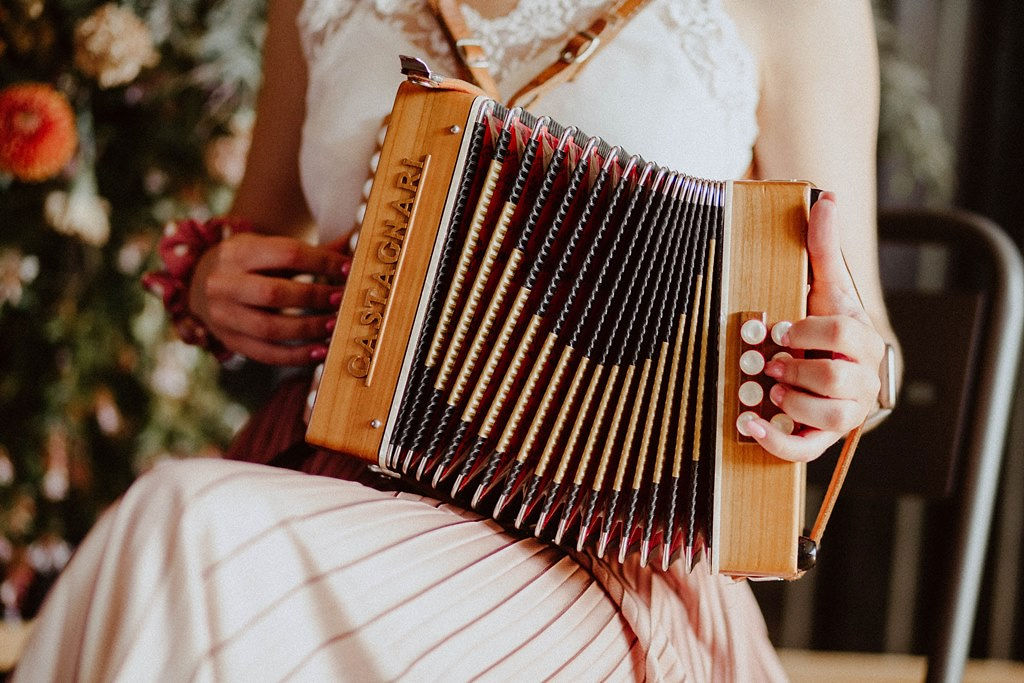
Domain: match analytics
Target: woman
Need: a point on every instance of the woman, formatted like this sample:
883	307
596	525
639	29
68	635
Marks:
218	569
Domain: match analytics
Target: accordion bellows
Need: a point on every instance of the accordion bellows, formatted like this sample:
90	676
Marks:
546	329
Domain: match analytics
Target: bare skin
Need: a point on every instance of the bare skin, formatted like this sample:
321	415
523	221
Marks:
238	289
818	120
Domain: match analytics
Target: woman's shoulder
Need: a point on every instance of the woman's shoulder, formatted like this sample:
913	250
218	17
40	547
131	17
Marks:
792	34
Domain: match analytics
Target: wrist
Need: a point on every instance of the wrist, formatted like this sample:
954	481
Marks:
182	249
197	301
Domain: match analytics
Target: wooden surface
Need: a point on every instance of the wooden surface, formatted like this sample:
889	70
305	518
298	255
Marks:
347	407
806	666
759	499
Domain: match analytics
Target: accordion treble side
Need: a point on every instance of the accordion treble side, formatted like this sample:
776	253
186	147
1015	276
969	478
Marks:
479	279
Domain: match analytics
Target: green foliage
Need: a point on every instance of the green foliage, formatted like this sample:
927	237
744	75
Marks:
95	388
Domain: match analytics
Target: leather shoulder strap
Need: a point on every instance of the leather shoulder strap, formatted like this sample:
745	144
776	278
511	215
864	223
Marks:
579	50
571	59
467	47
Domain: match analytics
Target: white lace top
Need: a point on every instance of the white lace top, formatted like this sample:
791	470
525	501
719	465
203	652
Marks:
676	86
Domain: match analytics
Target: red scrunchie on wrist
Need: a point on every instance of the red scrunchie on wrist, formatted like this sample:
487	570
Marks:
183	243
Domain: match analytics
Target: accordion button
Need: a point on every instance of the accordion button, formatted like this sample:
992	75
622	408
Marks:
751	393
782	355
741	421
784	423
374	161
752	362
753	331
779	331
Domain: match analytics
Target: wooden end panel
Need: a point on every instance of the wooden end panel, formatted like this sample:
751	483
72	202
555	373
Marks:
397	237
758	498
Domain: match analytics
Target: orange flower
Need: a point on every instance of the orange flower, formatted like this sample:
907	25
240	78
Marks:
37	131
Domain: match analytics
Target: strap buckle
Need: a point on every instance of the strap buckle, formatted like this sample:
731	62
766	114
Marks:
478	62
578	55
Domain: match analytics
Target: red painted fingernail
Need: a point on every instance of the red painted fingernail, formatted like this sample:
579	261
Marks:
330	324
318	353
336	298
777	393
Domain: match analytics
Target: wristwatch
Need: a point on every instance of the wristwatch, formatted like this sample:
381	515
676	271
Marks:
887	390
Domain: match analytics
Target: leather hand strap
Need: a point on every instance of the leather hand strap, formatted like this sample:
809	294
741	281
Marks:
572	58
838	477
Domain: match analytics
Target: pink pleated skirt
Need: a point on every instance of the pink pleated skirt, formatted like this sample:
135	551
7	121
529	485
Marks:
213	570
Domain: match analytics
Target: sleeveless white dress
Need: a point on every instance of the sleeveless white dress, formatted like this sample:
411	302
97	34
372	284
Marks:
218	570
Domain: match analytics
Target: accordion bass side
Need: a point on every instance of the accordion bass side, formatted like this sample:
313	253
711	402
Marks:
568	338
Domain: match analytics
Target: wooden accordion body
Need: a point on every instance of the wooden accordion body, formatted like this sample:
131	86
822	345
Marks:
548	331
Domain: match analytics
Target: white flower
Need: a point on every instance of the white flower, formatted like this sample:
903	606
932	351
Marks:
113	45
174	362
234	416
49	554
108	415
16	271
132	255
81	213
155	181
148	325
56	483
226	155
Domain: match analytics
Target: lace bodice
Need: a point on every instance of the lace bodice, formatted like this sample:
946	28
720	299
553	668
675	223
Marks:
677	85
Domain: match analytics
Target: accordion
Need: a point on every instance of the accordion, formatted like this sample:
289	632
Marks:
542	327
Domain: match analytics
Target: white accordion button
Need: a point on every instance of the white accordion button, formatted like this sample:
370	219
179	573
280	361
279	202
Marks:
374	161
741	421
353	241
360	213
753	331
779	330
782	355
751	393
784	423
752	362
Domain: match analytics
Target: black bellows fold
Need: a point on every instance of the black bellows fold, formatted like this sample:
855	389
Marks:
564	380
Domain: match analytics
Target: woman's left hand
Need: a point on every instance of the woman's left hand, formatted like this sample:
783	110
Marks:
828	397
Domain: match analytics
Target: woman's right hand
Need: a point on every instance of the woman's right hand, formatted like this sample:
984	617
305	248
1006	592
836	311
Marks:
244	290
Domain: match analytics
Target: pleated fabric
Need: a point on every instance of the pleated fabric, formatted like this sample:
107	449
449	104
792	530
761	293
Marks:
212	570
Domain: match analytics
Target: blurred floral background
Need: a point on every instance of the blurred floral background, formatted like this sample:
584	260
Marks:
115	119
